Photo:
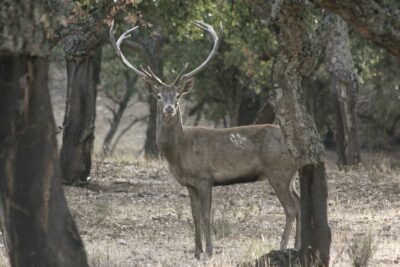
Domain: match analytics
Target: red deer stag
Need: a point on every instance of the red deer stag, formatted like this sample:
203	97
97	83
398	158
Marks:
200	158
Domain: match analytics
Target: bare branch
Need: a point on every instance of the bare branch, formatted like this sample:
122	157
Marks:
139	48
111	97
111	110
127	128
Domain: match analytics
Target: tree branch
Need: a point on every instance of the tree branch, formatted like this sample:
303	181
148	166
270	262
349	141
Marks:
317	43
138	47
114	99
135	120
112	110
374	20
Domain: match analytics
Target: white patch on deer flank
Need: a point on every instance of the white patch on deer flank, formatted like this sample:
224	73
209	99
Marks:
238	139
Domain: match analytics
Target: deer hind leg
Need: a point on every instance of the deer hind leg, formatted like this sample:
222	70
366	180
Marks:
205	193
282	188
196	213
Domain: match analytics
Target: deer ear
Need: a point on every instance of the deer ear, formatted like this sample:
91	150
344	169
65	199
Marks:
187	86
150	86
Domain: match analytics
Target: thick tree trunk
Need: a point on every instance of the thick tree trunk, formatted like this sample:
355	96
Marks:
315	231
298	54
375	20
97	60
155	43
234	103
40	229
265	115
248	108
150	145
232	88
79	121
344	87
81	39
234	93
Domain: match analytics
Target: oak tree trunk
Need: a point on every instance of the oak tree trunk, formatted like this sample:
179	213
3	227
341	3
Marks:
39	226
79	121
153	45
81	38
344	88
232	88
266	114
233	91
150	145
298	54
249	106
315	231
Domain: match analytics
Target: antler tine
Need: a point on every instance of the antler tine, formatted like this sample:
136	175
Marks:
180	74
117	48
208	28
155	77
150	75
145	71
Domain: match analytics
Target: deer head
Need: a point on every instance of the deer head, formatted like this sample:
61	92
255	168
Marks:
168	95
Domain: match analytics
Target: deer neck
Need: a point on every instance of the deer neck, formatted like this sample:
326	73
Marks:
169	135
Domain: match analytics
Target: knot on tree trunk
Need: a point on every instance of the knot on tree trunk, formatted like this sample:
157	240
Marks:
82	39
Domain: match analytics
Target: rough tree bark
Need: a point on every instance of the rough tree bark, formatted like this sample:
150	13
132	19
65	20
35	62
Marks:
344	87
298	54
79	118
82	36
81	42
40	230
375	20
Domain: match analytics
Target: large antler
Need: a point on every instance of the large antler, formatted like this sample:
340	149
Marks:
147	74
210	30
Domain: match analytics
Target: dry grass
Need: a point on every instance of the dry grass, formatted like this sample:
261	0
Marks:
134	213
361	250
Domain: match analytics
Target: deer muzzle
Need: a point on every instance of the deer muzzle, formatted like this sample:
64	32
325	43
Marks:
169	110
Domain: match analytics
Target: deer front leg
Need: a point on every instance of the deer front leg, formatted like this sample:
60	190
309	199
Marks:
205	193
196	214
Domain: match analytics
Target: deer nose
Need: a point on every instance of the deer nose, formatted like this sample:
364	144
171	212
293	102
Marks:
168	109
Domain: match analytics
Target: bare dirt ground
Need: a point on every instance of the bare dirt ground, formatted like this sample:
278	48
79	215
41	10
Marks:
135	214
